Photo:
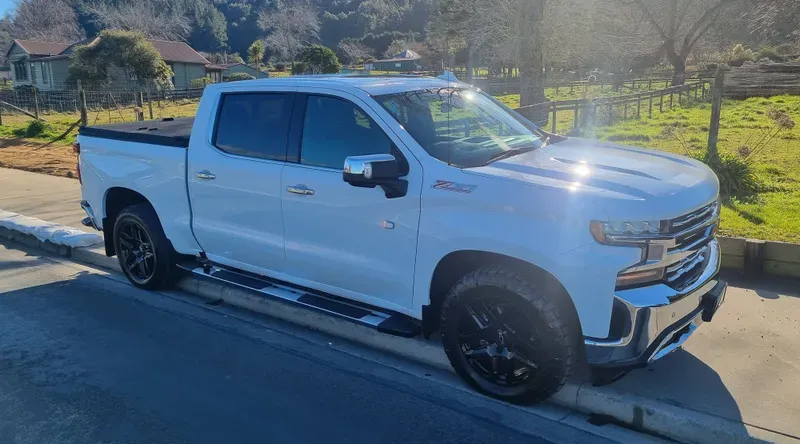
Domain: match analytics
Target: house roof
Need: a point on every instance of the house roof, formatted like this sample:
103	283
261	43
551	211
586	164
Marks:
402	56
36	48
170	51
215	67
178	52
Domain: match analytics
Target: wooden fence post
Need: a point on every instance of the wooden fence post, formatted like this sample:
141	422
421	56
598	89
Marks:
661	102
575	123
638	107
1	116
139	106
554	118
610	113
650	84
671	94
716	112
150	100
625	112
650	113
35	103
82	104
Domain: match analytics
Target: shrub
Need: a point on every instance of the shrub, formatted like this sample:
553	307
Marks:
738	55
299	68
233	77
769	52
34	128
736	177
320	59
201	82
280	67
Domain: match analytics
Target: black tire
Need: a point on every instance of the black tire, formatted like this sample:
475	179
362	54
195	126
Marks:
159	268
517	302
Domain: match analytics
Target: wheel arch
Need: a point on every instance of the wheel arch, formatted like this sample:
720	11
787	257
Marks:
117	199
456	264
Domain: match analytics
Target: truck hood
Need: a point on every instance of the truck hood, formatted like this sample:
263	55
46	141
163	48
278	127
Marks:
627	182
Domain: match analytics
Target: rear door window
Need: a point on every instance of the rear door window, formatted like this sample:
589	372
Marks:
254	125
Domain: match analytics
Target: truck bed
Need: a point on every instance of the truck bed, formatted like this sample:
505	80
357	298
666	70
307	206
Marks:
168	131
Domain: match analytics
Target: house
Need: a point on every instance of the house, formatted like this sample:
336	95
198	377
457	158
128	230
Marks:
403	61
230	68
46	64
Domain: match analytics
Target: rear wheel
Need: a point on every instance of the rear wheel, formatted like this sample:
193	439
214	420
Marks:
144	253
506	337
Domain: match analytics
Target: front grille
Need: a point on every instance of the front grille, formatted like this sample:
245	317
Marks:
692	232
685	272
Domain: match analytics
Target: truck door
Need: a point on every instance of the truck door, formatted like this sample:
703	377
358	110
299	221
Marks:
350	241
234	181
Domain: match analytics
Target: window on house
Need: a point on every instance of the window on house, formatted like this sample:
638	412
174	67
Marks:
20	71
45	73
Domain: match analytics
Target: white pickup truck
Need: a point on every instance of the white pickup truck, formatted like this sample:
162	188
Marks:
415	205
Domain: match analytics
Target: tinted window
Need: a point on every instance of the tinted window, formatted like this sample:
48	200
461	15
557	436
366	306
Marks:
254	125
335	129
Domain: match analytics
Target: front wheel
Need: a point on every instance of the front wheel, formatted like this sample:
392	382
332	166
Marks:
144	253
507	338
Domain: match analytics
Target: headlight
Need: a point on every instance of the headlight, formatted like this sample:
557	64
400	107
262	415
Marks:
626	232
635	234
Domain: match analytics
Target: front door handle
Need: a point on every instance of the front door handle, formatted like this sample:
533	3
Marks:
300	189
204	175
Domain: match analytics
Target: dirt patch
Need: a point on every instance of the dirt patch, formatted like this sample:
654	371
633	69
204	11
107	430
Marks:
53	159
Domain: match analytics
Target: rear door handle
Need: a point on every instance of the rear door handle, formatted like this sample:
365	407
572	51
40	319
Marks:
300	189
204	175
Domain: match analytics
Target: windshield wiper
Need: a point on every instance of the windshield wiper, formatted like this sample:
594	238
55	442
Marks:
512	152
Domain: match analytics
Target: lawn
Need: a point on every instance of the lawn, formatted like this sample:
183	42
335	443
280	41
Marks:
50	151
773	214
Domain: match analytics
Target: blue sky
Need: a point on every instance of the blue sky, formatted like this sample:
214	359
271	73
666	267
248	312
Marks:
6	6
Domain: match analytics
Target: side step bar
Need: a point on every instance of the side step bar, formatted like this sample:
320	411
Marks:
381	320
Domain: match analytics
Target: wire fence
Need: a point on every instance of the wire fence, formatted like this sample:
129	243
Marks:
69	101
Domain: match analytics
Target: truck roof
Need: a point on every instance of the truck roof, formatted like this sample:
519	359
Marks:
372	85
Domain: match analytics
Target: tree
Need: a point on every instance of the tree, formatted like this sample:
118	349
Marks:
353	51
290	27
114	51
319	59
775	21
676	26
255	54
238	76
219	58
47	20
157	19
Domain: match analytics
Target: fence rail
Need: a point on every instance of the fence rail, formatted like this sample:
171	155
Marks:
585	111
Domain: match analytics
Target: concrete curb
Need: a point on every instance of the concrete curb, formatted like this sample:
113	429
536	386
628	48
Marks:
647	415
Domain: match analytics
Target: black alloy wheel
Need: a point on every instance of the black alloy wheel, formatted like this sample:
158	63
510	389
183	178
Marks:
137	254
499	340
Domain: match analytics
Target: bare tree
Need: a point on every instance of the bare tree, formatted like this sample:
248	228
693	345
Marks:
47	20
290	26
676	26
157	19
775	20
354	52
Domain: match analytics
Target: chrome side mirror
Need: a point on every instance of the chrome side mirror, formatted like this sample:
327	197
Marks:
375	170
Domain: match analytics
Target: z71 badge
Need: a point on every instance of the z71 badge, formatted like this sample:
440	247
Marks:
453	186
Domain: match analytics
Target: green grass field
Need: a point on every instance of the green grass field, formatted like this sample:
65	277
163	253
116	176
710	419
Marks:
774	213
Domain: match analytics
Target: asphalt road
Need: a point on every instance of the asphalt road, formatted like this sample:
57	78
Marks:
86	358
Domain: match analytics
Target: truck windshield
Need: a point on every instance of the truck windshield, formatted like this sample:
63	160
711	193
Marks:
460	126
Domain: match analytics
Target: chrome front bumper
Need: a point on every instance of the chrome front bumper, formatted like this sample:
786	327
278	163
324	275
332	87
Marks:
650	322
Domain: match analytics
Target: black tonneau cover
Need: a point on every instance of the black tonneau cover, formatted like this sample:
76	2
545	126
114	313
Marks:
169	131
